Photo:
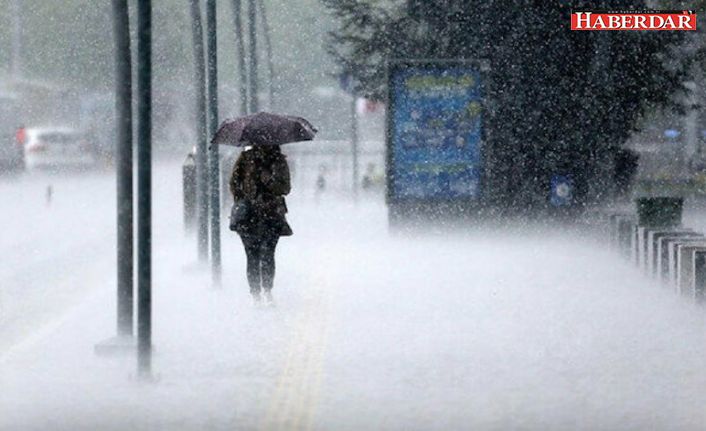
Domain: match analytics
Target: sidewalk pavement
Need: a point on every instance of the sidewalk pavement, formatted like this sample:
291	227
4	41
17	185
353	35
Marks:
479	331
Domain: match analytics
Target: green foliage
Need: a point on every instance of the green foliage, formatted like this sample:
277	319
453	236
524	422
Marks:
565	100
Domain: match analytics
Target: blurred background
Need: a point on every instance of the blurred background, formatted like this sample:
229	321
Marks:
57	79
621	98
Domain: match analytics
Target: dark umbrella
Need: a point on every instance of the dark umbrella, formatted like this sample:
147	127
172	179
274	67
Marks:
264	128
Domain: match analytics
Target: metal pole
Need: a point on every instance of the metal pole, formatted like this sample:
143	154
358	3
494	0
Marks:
16	39
268	48
240	56
354	146
144	188
201	145
252	36
691	120
215	168
124	161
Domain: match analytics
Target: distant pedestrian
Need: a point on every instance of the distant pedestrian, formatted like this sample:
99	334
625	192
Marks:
320	183
321	179
259	182
369	177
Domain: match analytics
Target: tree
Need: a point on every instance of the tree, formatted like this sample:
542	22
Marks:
565	101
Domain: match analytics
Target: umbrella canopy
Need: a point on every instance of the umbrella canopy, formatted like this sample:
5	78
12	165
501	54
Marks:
264	128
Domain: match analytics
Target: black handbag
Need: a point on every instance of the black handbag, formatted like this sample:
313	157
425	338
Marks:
239	213
285	228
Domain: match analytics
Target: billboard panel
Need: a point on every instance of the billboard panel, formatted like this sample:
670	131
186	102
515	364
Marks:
435	131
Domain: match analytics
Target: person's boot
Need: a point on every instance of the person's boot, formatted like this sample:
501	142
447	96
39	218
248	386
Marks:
269	300
256	299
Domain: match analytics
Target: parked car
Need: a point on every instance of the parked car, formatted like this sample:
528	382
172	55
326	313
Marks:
11	153
57	147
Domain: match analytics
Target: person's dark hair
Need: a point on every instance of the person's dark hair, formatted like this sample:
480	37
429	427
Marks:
268	148
271	150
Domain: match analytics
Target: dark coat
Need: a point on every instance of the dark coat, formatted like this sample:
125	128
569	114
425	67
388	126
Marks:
261	177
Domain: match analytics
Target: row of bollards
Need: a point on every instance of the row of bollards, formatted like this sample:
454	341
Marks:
654	240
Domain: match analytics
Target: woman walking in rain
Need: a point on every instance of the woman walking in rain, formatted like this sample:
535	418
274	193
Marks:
260	180
259	183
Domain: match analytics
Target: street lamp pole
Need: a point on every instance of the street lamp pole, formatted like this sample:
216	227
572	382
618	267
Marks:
144	188
124	161
252	33
202	138
240	55
215	196
16	39
268	47
354	144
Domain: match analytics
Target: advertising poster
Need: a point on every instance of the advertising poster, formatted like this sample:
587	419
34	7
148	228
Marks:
434	134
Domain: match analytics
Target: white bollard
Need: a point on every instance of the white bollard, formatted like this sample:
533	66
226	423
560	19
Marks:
685	267
672	249
613	221
640	249
626	229
663	268
653	237
699	276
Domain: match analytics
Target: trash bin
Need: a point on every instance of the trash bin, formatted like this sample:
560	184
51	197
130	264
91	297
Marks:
188	171
660	212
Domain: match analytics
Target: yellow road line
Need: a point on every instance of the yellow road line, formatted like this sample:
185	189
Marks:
280	402
318	377
295	400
